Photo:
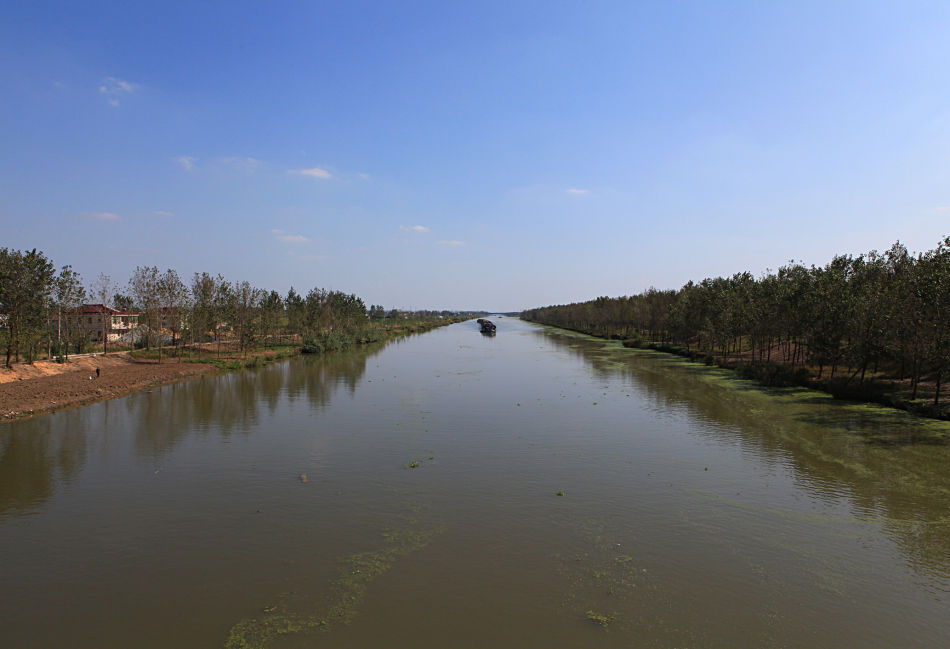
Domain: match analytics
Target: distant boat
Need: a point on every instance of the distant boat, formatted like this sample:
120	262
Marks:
488	327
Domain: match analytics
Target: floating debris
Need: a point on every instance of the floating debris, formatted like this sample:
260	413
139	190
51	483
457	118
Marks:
603	619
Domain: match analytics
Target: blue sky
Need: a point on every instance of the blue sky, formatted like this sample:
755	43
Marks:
471	155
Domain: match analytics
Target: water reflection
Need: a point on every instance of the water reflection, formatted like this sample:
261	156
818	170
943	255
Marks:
887	464
206	501
37	455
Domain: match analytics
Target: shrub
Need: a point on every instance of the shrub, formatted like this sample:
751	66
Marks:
311	346
843	388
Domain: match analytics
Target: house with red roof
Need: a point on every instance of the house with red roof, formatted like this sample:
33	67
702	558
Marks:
99	321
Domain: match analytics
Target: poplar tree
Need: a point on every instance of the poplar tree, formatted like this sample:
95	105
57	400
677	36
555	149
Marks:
26	284
70	296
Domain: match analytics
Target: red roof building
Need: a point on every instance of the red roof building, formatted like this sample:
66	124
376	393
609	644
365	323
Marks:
100	321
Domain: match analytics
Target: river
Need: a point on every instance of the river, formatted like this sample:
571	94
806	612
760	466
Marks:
532	489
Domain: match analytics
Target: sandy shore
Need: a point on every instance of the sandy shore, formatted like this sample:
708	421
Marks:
46	386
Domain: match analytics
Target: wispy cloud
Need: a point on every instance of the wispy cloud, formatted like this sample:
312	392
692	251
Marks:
186	161
163	213
114	88
364	176
413	228
286	237
453	242
943	208
105	216
246	164
314	172
574	190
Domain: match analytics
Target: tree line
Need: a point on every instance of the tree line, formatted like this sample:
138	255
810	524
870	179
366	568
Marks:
854	317
40	310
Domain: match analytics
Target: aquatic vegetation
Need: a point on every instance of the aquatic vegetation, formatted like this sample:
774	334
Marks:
608	588
603	619
348	591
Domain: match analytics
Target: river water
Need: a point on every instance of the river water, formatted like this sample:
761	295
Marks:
532	489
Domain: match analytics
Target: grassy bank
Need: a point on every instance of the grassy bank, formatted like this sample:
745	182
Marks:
873	389
226	355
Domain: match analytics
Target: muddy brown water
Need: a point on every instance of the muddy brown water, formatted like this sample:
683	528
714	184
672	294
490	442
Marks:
531	489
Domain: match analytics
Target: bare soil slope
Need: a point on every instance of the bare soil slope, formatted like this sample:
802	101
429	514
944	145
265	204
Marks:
46	386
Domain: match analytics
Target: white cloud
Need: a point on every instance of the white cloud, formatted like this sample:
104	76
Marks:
314	172
364	176
163	213
105	216
574	190
186	161
292	238
114	88
414	228
943	208
452	243
286	237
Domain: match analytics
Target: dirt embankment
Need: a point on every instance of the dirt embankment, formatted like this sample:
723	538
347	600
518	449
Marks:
47	386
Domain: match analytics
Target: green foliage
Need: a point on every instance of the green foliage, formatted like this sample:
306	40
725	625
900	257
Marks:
26	289
864	317
773	374
634	341
311	346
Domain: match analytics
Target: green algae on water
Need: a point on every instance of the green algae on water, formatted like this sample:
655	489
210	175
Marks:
603	619
359	571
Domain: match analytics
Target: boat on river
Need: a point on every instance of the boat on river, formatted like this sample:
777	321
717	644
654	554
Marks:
488	327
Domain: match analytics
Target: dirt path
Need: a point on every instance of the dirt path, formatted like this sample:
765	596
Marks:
47	386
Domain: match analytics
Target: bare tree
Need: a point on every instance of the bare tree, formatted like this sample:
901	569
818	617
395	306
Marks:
103	289
145	288
69	296
246	300
202	312
173	298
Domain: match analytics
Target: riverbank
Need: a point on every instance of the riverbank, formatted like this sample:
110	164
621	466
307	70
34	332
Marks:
48	386
892	393
27	390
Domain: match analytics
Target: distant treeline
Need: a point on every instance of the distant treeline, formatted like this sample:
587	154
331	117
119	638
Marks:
855	316
45	312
